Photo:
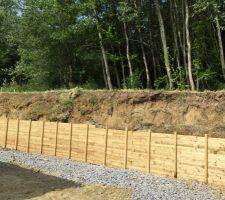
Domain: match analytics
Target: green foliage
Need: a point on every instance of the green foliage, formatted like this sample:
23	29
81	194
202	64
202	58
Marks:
14	87
133	82
179	79
50	44
161	82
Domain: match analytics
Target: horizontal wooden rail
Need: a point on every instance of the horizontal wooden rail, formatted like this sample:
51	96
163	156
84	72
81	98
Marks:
184	157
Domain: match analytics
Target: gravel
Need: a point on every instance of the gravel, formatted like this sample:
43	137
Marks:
144	186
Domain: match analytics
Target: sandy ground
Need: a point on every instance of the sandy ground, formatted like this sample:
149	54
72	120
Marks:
18	183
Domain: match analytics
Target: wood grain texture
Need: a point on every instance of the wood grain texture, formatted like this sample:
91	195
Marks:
185	157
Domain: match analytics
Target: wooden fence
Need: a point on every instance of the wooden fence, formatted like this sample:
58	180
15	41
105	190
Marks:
184	157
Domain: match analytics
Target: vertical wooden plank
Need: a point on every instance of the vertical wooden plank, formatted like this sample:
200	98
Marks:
106	144
71	139
126	148
29	133
42	136
56	137
86	144
206	158
149	150
175	154
17	133
6	132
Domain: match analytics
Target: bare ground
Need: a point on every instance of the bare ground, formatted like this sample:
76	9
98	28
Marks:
18	183
190	113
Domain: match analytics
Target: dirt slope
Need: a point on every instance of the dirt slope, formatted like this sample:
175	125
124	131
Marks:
186	112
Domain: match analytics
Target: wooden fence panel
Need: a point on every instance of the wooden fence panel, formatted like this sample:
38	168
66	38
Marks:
23	135
78	142
96	146
63	141
217	161
3	123
35	137
162	154
12	134
191	158
185	157
115	149
138	146
49	138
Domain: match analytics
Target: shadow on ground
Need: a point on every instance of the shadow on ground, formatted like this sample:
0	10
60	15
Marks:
19	183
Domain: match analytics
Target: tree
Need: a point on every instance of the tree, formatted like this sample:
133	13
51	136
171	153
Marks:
164	43
8	45
110	43
190	75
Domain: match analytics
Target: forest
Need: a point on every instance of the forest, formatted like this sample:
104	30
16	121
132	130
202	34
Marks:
112	44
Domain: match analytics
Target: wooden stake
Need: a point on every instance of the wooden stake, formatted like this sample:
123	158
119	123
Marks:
42	136
206	158
17	133
56	137
149	150
175	155
6	132
86	144
29	133
71	139
106	144
126	148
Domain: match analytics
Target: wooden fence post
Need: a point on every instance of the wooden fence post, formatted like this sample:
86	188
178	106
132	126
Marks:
126	148
29	133
56	137
106	144
42	136
86	144
149	150
175	155
206	158
17	133
71	138
6	132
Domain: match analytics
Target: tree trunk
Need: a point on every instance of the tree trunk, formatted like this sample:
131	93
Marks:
105	60
128	52
104	56
152	47
183	42
70	76
174	29
190	75
220	46
164	43
104	75
153	57
145	62
148	80
122	65
117	75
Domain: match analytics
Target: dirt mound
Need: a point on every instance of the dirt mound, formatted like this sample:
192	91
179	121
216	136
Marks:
192	113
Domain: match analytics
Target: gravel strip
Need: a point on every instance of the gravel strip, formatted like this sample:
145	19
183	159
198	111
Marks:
144	186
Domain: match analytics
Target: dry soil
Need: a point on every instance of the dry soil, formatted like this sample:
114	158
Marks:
191	113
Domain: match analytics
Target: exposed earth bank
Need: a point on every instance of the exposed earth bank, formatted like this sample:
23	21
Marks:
192	113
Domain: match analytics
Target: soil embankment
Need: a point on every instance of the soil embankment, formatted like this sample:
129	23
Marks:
192	113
